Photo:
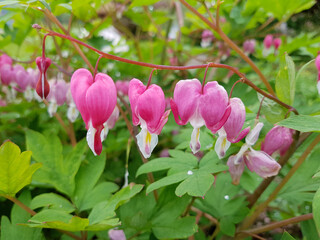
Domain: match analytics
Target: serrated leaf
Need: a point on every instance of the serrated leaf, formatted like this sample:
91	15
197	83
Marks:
139	3
179	228
285	80
52	201
15	169
58	170
105	210
227	226
11	230
316	209
61	220
302	123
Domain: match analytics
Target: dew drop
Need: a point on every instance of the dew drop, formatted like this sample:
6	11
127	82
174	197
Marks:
226	197
190	172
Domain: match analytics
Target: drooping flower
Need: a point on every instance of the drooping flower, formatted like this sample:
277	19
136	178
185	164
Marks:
208	107
122	87
231	130
116	234
7	74
256	161
268	40
57	95
148	111
43	87
72	112
277	141
249	46
5	59
206	38
277	43
261	163
96	99
109	124
317	62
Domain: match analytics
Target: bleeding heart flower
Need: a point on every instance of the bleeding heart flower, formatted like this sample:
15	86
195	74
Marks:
43	87
277	141
277	43
148	111
249	46
57	95
96	99
317	62
268	40
231	130
261	163
208	107
7	74
235	170
5	59
122	87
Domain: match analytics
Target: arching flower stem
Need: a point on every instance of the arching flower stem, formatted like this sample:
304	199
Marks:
150	78
96	68
204	78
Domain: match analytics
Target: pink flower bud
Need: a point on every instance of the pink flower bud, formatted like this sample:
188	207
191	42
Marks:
7	74
277	140
5	59
206	38
277	43
148	111
122	87
208	107
261	163
43	87
235	170
96	100
22	78
165	153
268	40
249	46
317	62
34	76
116	234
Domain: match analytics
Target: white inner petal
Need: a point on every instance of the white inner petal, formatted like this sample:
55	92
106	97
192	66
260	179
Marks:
222	144
72	113
52	109
104	132
253	135
90	137
195	143
146	142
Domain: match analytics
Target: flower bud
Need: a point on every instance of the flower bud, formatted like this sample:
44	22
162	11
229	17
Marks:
116	234
277	140
249	46
206	38
235	170
43	87
261	163
268	40
277	43
122	87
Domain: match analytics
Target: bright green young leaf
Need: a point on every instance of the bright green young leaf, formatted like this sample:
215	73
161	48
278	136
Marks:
287	236
105	210
87	192
303	68
61	220
58	170
138	3
272	110
52	201
196	177
11	230
316	209
303	123
285	80
15	169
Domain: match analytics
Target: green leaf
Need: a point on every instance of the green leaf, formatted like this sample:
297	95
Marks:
105	210
179	228
45	4
227	226
87	194
303	68
272	110
196	184
11	230
58	170
138	3
303	123
285	80
309	230
15	169
287	236
52	201
316	209
61	220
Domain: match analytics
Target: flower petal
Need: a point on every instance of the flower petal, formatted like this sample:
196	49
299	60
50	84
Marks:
195	142
146	142
222	144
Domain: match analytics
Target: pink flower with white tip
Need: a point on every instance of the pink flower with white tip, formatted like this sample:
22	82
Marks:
207	106
256	161
231	130
317	62
96	99
148	111
277	141
57	95
249	46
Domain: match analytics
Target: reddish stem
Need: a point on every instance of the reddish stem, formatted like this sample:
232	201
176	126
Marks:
150	77
44	46
96	68
230	94
204	78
